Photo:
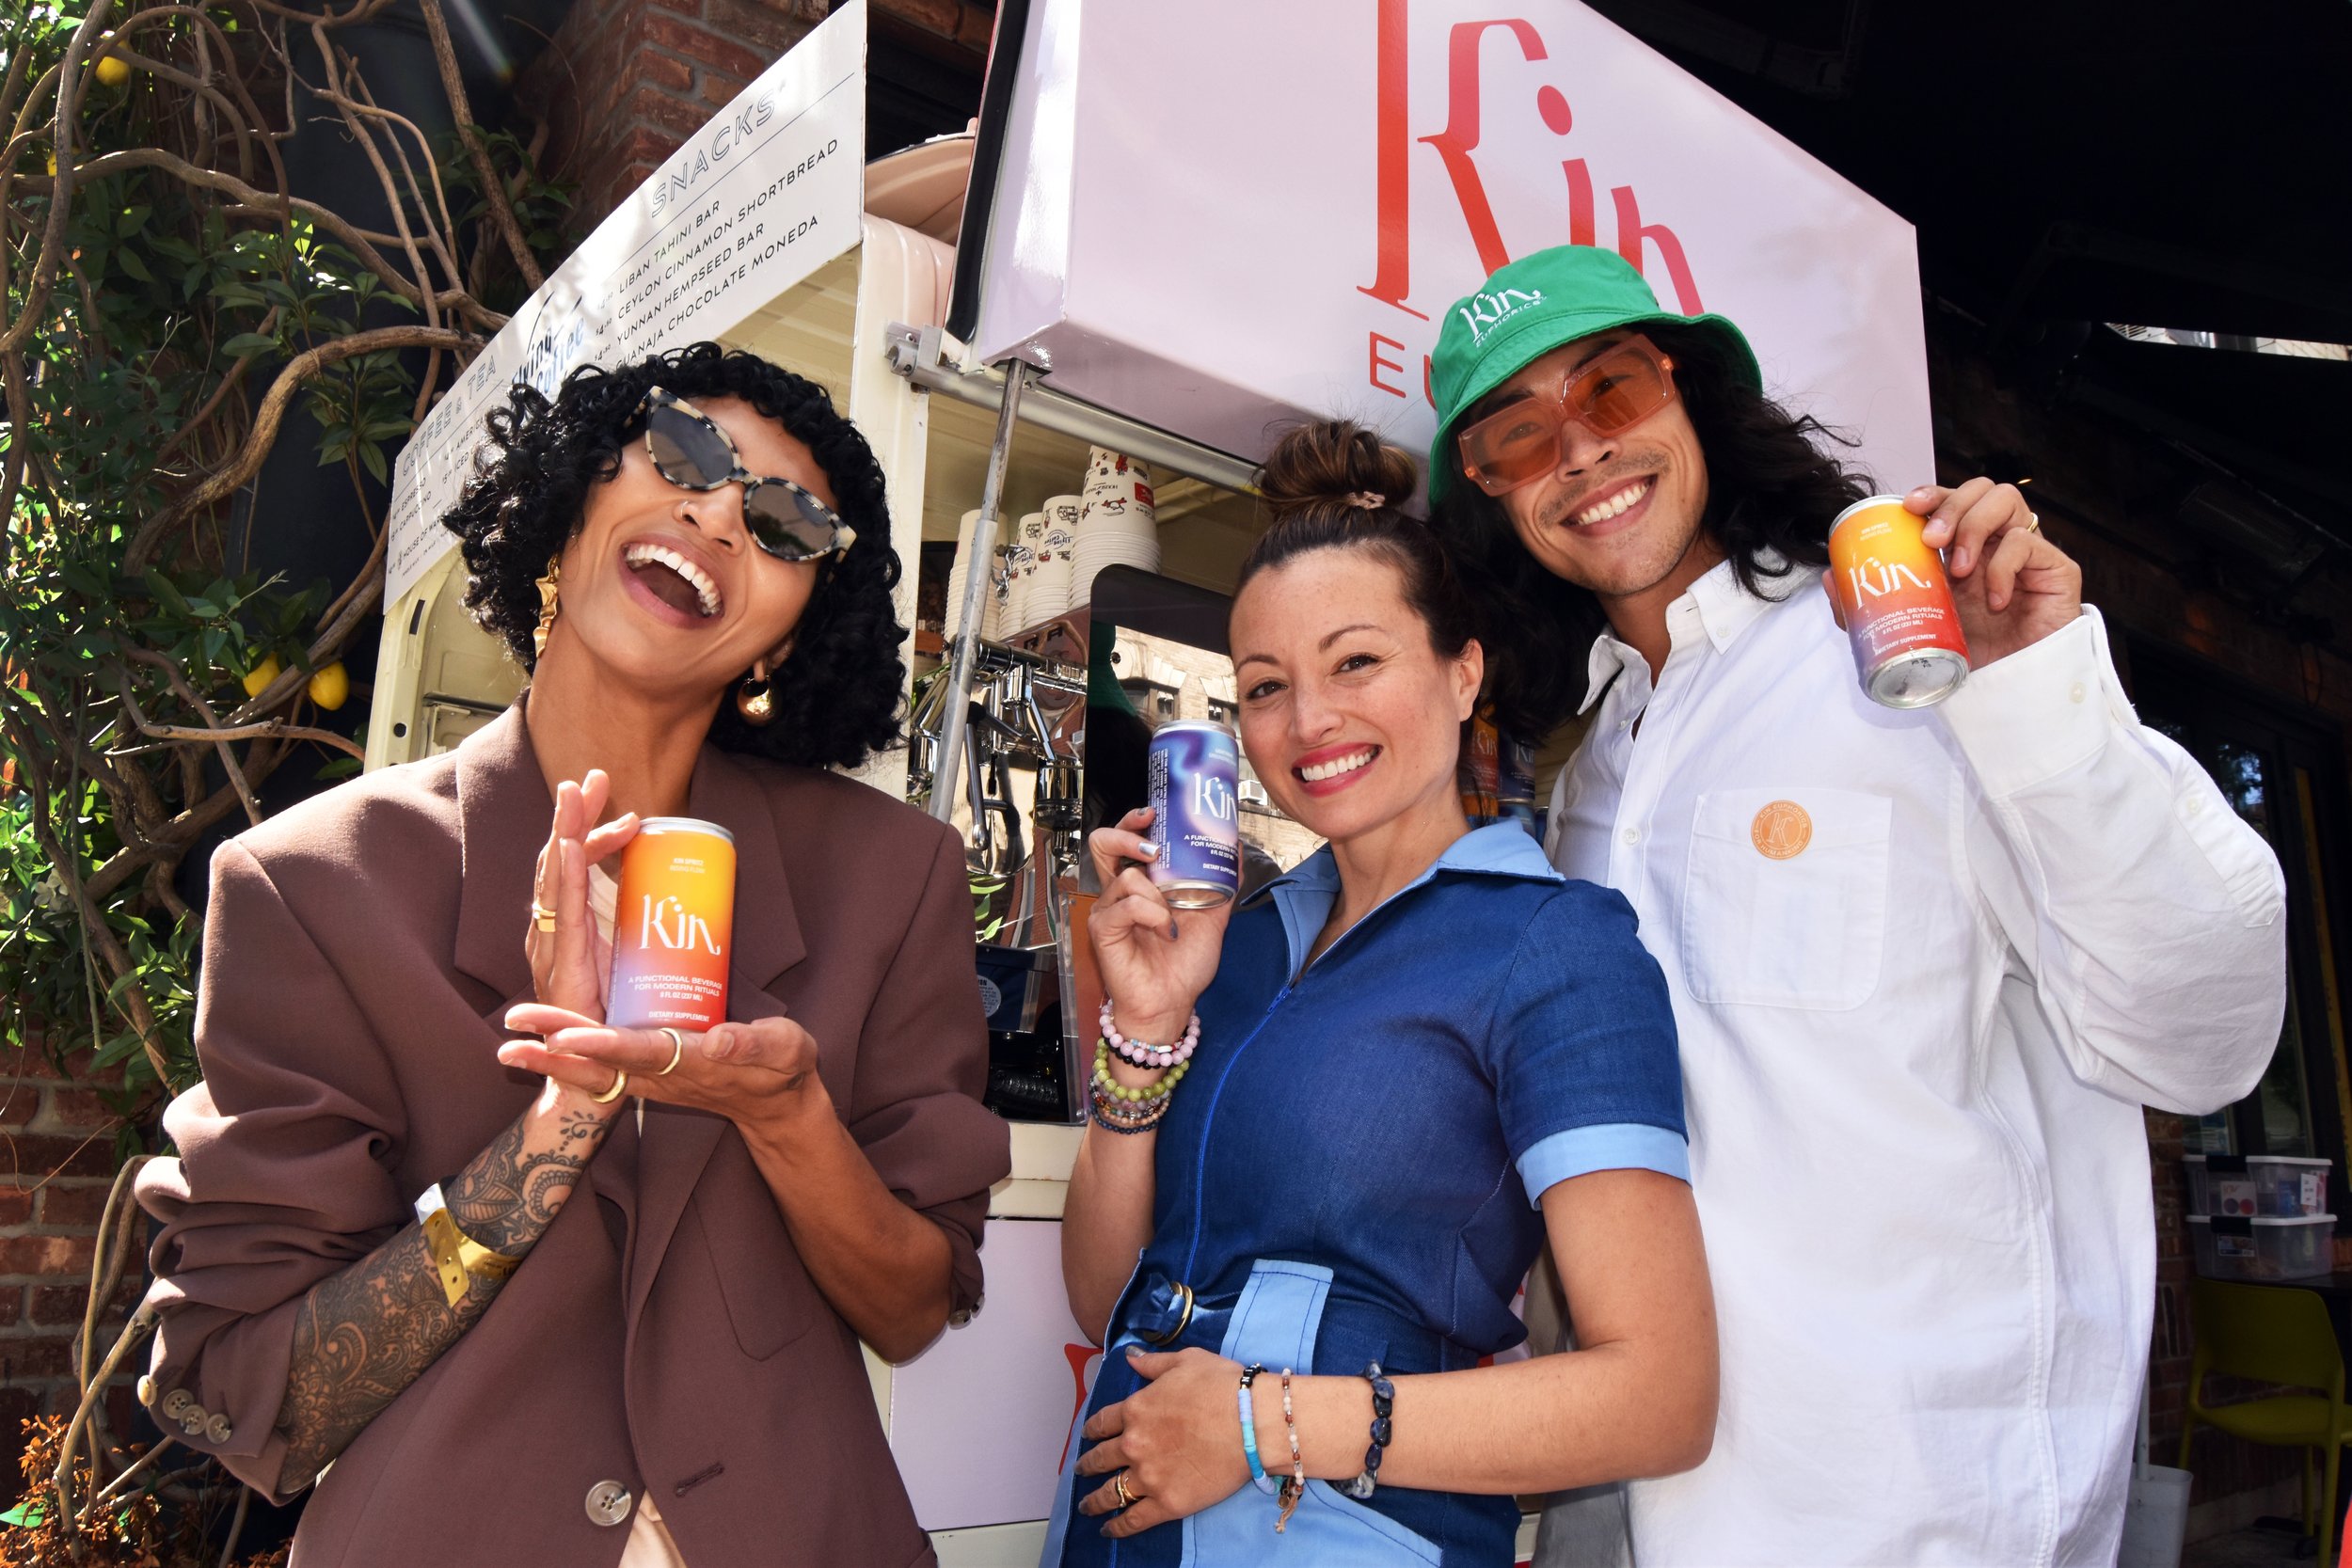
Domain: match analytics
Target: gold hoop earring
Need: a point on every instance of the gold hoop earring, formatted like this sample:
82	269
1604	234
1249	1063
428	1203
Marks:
755	699
550	607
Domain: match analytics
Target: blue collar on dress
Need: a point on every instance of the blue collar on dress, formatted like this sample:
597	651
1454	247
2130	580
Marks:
1303	895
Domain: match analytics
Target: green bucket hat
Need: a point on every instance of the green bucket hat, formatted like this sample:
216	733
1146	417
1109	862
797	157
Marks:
1527	309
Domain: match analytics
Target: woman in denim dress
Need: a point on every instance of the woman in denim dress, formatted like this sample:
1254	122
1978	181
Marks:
1422	1057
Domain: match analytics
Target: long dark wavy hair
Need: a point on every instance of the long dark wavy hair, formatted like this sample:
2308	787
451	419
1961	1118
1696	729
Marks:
1772	489
837	692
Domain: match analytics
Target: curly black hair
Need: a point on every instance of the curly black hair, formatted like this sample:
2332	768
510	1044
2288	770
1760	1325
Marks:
1772	492
838	692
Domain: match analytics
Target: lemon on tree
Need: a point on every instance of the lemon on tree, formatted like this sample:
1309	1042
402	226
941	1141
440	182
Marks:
258	678
113	72
330	685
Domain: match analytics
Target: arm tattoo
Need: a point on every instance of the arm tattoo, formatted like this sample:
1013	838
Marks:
363	1335
508	1196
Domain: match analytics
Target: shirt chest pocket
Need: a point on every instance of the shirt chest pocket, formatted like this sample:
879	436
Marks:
1784	903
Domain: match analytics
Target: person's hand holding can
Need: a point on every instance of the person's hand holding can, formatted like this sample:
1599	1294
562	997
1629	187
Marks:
2012	587
1153	963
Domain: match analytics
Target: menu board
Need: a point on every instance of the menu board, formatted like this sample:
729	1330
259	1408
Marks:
765	194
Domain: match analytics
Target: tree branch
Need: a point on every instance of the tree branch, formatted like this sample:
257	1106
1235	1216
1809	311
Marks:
226	385
344	106
493	188
259	203
210	731
130	1000
273	728
167	843
267	418
61	187
444	240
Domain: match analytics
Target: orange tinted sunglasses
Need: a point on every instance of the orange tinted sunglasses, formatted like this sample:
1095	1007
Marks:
1613	391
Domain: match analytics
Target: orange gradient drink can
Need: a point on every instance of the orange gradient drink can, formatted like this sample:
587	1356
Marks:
1897	603
672	926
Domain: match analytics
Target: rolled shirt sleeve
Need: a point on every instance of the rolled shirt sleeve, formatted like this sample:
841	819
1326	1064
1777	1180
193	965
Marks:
1582	1047
916	1106
278	1183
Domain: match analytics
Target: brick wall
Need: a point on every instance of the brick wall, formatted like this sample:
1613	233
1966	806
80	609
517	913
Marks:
56	1162
627	81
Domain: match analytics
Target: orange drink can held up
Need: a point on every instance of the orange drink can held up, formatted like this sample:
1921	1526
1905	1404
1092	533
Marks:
674	926
1897	603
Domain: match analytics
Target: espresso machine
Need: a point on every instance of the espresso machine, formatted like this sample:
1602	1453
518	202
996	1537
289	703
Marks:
1022	741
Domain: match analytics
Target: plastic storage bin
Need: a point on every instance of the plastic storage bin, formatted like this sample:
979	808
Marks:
2276	1186
2260	1248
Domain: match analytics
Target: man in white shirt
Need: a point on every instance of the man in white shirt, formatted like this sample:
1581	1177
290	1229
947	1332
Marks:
1927	965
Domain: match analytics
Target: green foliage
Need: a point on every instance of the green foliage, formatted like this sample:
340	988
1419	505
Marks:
165	300
131	615
152	679
984	891
542	206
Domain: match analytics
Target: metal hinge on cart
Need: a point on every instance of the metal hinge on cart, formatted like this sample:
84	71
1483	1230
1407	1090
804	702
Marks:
936	362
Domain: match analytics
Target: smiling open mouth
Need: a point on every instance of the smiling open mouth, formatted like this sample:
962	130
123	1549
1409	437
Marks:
1337	766
1601	511
674	580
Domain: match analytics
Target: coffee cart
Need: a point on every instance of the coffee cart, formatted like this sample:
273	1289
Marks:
1159	243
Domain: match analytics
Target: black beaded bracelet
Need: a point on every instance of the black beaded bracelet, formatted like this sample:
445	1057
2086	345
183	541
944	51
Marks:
1383	1406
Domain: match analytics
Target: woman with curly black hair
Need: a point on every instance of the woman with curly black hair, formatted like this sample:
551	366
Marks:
541	1291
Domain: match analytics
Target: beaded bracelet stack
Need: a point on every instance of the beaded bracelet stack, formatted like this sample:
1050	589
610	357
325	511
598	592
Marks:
1383	1414
1257	1477
1122	1108
1149	1056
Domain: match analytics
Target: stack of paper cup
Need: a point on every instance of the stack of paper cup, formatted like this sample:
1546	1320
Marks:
993	601
1050	590
1021	562
1117	524
958	578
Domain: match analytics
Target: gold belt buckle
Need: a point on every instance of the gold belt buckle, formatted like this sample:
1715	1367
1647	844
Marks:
1184	1293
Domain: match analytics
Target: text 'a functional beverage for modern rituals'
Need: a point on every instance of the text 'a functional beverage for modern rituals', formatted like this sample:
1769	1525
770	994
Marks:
1193	771
674	926
1897	603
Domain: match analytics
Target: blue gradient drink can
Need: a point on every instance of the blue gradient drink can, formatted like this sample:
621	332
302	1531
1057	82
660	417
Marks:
1194	770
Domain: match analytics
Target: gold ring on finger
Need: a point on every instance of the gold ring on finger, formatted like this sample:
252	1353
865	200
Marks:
2033	522
1119	1489
542	916
677	1051
620	1082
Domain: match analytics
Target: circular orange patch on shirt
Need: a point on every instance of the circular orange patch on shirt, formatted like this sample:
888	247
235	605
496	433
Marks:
1781	831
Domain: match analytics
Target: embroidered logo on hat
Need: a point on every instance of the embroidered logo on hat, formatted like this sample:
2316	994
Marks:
1481	312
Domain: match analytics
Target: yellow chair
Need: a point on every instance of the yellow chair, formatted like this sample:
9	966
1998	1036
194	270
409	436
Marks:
2273	1335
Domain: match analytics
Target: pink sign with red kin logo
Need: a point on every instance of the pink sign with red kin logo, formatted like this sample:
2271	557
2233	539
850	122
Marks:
1267	210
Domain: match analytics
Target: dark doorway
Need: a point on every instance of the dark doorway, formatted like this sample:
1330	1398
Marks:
2283	773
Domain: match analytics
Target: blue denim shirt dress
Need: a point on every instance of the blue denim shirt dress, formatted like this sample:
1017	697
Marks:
1351	1170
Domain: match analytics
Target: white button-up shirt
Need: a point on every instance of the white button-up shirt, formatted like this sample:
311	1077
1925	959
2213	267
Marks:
1926	966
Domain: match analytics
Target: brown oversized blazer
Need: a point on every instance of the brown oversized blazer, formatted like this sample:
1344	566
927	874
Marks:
360	954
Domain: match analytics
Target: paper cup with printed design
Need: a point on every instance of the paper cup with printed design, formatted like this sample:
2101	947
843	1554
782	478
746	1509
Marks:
1020	564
